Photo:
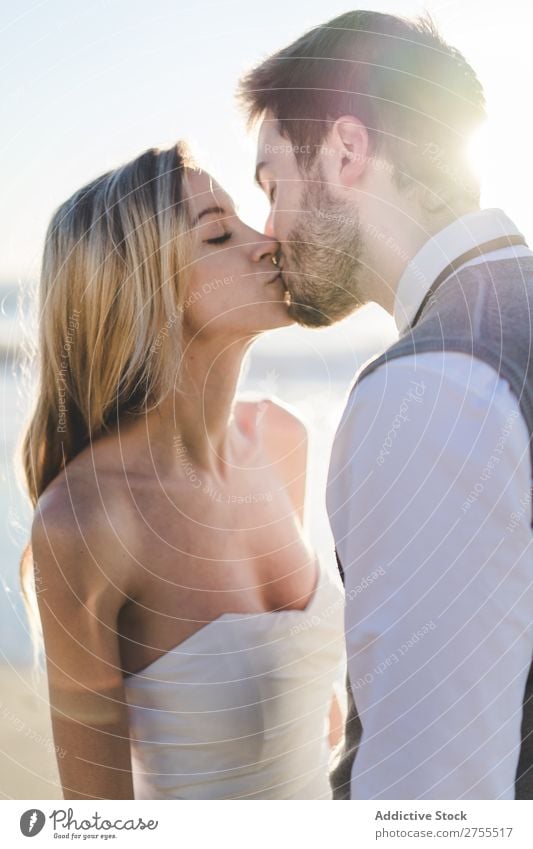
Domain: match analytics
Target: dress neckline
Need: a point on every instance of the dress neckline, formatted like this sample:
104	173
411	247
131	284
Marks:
294	611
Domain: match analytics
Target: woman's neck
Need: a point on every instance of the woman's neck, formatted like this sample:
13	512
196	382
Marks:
193	423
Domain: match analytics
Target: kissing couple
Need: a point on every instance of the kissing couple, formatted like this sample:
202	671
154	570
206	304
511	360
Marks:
195	644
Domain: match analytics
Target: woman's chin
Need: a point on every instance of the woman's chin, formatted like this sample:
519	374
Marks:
276	315
264	315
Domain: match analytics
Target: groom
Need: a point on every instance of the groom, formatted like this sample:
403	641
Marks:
362	153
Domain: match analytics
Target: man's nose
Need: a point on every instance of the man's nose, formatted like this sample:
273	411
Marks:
269	226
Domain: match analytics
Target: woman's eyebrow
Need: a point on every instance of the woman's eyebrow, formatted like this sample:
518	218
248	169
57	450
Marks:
209	210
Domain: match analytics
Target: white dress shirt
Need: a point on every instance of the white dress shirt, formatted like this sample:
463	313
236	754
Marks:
429	499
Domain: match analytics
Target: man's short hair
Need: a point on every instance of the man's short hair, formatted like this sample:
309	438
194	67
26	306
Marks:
417	96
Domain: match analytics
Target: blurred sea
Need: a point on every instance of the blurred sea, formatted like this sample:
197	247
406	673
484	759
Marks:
311	370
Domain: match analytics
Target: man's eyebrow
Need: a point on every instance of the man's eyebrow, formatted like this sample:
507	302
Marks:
208	211
258	168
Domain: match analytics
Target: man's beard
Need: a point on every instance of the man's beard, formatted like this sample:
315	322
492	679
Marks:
322	259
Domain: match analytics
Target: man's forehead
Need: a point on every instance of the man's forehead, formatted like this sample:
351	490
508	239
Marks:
269	134
275	152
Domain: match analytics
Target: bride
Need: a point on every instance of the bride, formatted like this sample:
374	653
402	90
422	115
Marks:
192	640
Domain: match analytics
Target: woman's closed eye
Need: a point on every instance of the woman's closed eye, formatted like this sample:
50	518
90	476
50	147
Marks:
219	240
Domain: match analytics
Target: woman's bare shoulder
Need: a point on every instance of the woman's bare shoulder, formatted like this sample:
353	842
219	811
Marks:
285	439
77	533
278	419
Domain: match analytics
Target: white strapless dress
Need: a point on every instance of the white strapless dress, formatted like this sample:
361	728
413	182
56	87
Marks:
239	709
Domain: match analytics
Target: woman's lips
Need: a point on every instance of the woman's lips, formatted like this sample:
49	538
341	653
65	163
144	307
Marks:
279	278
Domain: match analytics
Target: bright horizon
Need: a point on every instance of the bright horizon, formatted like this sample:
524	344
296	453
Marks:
87	87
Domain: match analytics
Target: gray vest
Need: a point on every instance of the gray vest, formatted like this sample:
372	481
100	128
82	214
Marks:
484	310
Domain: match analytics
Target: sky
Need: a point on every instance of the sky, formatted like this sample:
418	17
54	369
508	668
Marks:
85	86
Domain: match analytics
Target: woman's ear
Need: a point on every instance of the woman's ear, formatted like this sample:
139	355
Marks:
349	141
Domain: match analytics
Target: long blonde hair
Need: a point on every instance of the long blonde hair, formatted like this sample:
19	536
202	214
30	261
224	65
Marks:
111	296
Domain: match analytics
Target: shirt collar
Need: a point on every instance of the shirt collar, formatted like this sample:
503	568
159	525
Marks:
439	251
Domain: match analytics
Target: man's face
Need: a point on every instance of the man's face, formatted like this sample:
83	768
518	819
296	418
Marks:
317	227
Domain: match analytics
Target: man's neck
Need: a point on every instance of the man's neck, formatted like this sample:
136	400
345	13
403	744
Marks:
392	244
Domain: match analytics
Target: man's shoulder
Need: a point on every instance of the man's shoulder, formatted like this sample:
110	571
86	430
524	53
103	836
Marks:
443	379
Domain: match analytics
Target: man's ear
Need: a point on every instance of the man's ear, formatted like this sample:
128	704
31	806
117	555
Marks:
349	139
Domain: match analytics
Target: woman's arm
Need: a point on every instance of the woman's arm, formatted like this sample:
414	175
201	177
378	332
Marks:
336	722
80	596
287	440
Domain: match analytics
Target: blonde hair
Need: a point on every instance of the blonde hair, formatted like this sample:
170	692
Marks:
112	289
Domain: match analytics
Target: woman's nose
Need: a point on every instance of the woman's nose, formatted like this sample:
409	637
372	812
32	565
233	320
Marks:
266	246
